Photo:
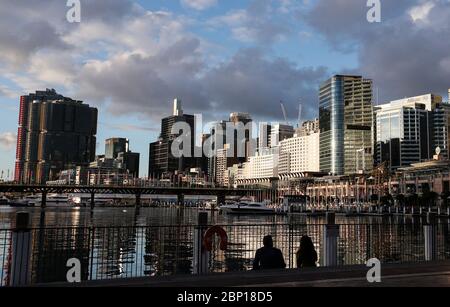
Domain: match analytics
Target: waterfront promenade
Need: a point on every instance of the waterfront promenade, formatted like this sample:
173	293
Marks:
430	274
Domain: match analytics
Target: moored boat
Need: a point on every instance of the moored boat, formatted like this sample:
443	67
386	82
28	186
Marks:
247	207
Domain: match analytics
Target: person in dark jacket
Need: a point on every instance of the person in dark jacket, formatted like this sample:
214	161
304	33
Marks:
306	255
268	257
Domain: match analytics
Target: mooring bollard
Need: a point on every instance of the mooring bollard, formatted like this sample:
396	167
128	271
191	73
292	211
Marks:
331	235
21	251
201	255
430	238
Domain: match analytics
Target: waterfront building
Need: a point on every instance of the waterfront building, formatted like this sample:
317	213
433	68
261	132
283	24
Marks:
301	152
409	130
346	120
55	133
162	161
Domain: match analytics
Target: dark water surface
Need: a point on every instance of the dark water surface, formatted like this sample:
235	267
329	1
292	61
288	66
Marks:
118	243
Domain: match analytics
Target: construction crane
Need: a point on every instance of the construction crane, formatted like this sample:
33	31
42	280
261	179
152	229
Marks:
284	112
299	115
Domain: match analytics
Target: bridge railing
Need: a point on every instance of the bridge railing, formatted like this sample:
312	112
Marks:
126	252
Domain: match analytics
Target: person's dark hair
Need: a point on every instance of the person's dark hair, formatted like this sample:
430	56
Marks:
268	241
306	245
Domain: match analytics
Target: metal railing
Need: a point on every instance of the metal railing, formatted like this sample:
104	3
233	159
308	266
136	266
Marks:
126	252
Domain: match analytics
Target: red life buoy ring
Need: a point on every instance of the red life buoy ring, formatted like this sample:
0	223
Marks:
209	234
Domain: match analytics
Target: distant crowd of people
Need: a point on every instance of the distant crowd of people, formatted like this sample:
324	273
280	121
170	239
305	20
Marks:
269	258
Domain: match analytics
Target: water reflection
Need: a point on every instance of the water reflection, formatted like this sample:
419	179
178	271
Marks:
117	243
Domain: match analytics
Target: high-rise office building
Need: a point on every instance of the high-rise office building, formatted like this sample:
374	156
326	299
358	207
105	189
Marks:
346	120
162	160
129	161
114	146
409	130
234	134
280	133
264	133
55	133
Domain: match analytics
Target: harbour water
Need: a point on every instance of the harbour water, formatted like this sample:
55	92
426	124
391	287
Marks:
125	242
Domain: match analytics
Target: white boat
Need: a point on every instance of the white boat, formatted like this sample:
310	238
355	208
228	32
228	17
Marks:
247	207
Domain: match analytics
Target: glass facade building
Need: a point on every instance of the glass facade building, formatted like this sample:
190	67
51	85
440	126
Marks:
346	120
409	130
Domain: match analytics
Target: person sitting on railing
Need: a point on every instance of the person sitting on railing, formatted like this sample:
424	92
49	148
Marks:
268	257
306	255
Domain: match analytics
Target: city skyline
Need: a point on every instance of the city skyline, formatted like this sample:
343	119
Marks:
295	53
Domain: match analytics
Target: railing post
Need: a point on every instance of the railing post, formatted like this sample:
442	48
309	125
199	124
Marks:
92	201
21	251
201	256
430	238
44	199
330	239
138	200
180	200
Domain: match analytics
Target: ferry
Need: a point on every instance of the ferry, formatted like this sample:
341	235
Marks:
247	207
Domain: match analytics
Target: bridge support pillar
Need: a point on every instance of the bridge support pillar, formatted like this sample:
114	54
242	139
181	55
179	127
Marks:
201	255
330	239
180	200
221	199
21	251
430	238
92	201
44	199
138	200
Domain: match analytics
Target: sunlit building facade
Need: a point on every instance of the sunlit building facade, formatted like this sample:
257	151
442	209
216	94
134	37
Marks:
346	120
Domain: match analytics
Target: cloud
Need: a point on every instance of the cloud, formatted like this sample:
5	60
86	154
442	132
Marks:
8	140
199	4
405	54
256	23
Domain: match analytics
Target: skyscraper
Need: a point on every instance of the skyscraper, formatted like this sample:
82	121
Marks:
237	143
409	130
346	119
55	133
162	159
280	133
114	146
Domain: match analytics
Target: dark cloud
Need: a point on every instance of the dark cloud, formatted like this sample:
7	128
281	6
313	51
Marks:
248	82
405	57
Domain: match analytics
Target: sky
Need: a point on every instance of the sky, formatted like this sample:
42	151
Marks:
130	59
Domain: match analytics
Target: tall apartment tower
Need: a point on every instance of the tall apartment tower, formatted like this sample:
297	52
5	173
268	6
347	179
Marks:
346	121
55	133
